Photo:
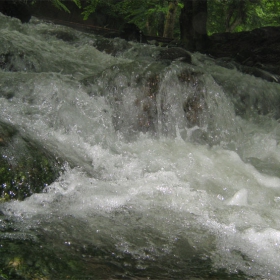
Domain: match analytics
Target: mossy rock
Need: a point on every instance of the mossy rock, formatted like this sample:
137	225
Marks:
25	166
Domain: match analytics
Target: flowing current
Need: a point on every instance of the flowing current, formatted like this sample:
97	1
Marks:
171	169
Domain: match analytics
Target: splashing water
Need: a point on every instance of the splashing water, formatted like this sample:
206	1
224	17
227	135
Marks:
171	169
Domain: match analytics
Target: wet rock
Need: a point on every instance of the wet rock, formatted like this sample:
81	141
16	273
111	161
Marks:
16	61
17	9
131	32
5	60
254	71
25	167
110	46
258	50
193	108
259	73
147	106
189	77
64	36
175	53
194	105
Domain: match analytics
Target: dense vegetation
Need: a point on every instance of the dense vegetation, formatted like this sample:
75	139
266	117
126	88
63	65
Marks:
242	15
191	21
152	16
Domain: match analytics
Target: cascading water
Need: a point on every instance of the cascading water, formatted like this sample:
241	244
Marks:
171	169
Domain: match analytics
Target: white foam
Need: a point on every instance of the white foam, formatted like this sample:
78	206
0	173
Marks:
224	207
239	198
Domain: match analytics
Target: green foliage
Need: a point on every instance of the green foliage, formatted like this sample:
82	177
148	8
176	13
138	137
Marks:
223	15
61	6
269	12
58	4
28	175
137	12
242	15
90	8
148	15
3	275
25	168
26	259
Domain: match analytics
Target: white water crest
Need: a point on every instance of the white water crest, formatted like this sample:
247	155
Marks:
165	162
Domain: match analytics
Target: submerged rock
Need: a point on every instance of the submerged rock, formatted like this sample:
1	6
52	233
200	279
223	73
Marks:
254	71
194	105
146	104
109	46
131	32
259	73
25	167
63	35
175	53
13	61
258	50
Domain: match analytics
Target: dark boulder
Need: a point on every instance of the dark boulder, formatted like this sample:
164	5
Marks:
25	166
131	32
256	71
109	46
17	9
175	53
258	51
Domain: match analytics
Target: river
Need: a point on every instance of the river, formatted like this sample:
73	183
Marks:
170	169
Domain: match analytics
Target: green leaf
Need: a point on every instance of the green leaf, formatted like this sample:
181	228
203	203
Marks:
58	4
88	10
78	3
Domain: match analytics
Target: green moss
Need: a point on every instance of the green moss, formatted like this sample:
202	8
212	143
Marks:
25	167
28	259
25	259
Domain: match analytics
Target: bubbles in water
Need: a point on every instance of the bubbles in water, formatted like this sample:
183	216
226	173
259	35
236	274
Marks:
161	174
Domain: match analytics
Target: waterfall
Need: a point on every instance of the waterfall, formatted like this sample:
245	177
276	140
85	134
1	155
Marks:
162	169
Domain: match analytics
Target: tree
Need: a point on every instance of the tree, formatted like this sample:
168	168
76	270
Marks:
242	15
148	15
237	12
170	19
192	20
60	5
193	24
269	12
90	8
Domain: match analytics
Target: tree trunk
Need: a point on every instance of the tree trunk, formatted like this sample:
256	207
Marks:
161	24
161	20
193	25
235	15
230	27
170	19
148	28
186	29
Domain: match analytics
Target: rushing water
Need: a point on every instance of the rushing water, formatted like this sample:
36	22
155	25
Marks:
171	169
